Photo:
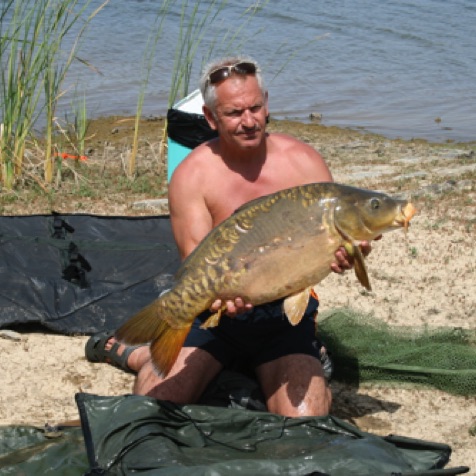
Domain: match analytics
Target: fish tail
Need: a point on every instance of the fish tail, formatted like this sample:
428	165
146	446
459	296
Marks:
166	348
141	328
151	324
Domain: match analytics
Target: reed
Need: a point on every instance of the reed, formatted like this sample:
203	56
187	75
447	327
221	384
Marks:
147	63
79	126
35	62
34	66
200	22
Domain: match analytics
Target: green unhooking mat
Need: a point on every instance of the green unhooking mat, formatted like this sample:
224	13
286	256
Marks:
132	435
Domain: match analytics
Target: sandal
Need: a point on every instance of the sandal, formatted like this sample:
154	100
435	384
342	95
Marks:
96	351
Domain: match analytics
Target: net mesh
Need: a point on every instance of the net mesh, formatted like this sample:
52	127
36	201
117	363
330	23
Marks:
365	349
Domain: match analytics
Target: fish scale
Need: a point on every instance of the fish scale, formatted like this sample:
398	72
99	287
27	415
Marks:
277	246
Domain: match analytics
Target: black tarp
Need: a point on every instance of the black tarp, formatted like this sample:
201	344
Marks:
76	273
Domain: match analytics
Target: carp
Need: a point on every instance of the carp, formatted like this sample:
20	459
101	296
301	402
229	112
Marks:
278	246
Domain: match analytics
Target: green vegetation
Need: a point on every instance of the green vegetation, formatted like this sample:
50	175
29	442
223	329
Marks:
197	17
34	66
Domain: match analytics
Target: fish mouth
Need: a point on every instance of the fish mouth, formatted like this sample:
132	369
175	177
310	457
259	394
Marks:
407	213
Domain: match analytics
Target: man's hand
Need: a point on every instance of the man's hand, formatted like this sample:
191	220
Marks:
344	261
233	308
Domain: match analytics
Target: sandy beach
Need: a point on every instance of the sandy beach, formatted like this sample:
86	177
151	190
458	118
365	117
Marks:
424	278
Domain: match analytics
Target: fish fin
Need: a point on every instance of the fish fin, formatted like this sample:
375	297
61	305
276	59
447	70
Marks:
360	268
214	319
148	326
142	327
166	347
295	306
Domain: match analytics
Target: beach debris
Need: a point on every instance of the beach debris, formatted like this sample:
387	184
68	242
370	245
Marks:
10	335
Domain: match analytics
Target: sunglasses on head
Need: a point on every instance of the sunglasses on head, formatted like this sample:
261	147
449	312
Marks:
224	72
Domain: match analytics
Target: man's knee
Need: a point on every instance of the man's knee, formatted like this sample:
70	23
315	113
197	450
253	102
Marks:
185	383
294	385
317	401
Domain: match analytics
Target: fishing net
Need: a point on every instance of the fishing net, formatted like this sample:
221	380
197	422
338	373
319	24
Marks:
365	349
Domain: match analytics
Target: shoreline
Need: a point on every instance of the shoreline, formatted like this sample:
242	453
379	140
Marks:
318	119
103	176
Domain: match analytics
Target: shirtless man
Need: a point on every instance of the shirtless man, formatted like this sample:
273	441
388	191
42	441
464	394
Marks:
244	162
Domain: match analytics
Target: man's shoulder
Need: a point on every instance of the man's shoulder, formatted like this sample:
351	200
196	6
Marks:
282	140
195	173
281	137
197	161
292	149
302	161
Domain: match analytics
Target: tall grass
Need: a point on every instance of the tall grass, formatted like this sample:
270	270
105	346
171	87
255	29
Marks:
34	63
148	60
198	23
33	68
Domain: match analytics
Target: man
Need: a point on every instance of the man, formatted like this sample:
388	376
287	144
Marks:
244	162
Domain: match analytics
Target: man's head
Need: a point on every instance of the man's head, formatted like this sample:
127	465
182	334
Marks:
235	101
217	71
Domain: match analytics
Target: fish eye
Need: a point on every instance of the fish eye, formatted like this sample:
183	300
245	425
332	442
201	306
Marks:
375	203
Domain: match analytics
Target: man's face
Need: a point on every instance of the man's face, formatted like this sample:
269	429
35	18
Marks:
240	112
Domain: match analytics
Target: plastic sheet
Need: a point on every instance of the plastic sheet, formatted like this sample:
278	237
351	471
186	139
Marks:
82	273
140	435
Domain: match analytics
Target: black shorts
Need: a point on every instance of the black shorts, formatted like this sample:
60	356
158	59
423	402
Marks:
258	336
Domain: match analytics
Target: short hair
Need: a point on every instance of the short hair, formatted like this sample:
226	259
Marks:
209	90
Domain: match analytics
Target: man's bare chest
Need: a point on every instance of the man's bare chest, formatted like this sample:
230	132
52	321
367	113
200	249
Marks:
225	199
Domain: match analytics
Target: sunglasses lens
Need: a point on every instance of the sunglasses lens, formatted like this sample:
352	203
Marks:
245	68
219	75
223	73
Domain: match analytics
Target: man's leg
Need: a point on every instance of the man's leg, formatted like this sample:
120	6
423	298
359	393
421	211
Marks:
294	385
185	383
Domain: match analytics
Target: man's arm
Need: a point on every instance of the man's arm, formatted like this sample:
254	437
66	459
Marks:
189	214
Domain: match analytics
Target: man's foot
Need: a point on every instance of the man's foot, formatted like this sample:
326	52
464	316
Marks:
103	347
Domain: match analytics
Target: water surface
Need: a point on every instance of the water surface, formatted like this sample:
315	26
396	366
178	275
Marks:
399	68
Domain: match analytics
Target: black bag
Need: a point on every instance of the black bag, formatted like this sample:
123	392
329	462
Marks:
140	435
188	129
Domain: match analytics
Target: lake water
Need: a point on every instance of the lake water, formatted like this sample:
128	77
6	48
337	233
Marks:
399	68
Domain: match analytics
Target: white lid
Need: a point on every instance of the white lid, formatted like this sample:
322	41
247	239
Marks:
192	103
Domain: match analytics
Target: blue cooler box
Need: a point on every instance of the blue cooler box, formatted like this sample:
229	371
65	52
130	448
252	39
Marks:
175	154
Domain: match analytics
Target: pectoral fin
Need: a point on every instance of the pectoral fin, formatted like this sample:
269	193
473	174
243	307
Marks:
295	306
214	319
360	269
359	264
